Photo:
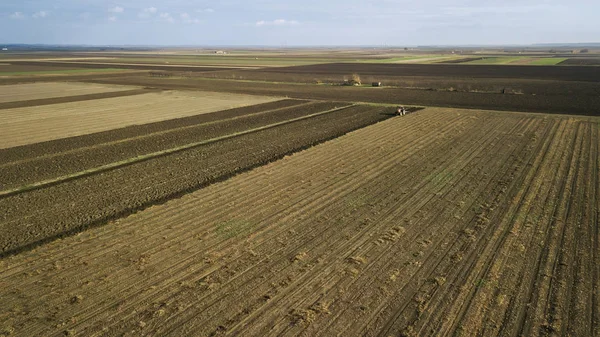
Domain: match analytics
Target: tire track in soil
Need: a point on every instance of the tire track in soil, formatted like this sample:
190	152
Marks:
510	236
483	222
507	235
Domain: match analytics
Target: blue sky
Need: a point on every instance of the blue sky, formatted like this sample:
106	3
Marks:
301	22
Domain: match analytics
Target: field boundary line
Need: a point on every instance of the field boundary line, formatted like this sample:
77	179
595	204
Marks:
145	157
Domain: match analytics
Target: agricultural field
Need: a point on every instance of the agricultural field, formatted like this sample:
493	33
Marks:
490	216
35	124
563	97
180	197
34	91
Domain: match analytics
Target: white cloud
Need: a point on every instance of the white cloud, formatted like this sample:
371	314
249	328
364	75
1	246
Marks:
17	16
167	17
185	17
40	14
85	15
117	10
278	22
112	18
206	10
147	12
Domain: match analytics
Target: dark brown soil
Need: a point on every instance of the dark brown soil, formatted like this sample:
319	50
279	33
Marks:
54	147
474	85
562	104
581	62
38	216
57	164
449	70
463	60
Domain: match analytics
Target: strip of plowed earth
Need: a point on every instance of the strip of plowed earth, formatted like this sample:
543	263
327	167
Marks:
577	105
34	91
475	85
65	164
68	207
375	233
575	73
58	146
22	126
69	99
98	65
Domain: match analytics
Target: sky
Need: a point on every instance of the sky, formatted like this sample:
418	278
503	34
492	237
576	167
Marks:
283	23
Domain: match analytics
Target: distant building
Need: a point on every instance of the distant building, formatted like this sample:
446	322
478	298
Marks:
220	52
4	49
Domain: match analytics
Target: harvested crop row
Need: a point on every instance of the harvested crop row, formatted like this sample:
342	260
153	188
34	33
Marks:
74	205
22	173
22	126
382	232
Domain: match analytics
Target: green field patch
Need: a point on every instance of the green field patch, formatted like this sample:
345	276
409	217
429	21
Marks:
497	60
547	61
232	228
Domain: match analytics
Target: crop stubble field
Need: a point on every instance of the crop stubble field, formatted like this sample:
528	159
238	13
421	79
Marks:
181	218
445	222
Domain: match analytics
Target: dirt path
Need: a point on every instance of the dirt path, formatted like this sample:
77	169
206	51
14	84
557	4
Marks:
444	222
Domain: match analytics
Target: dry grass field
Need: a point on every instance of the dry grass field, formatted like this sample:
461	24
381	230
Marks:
445	222
35	124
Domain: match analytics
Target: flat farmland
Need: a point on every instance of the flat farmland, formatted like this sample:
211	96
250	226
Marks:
103	64
34	91
574	73
443	222
55	189
572	99
35	124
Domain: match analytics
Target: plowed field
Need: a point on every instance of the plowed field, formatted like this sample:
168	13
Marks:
21	126
25	92
443	222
